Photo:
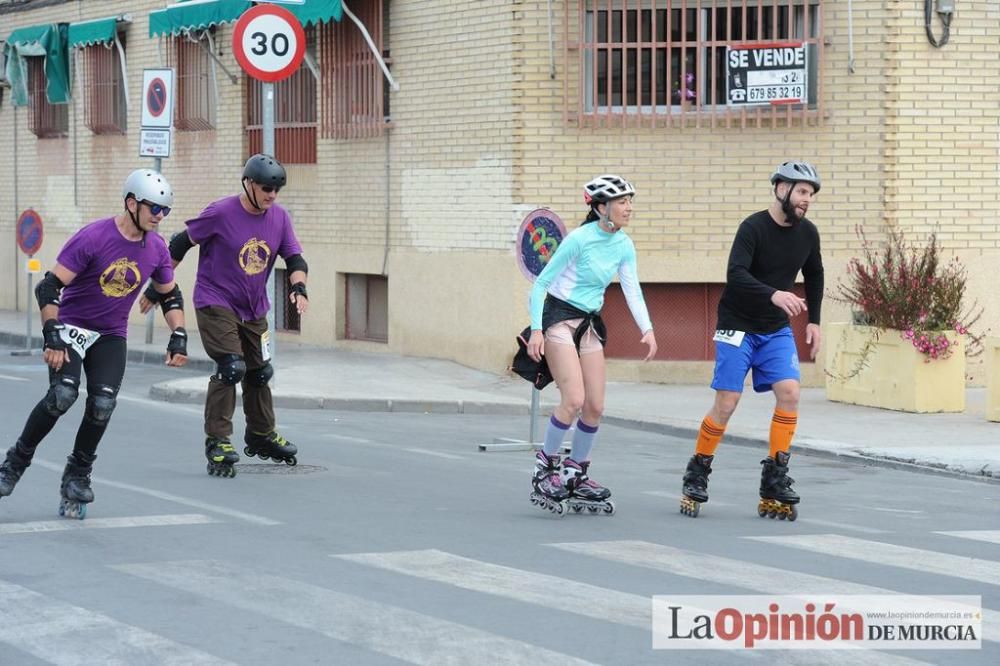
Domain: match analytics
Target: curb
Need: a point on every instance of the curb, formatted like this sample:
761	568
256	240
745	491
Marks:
147	357
197	396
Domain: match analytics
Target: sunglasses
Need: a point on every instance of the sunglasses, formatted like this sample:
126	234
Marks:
267	189
156	209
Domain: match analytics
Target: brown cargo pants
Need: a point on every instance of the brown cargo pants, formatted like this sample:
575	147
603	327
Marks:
223	333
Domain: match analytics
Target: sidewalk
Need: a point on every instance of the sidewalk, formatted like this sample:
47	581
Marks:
317	378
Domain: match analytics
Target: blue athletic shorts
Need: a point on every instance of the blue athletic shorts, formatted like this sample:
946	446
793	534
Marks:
772	357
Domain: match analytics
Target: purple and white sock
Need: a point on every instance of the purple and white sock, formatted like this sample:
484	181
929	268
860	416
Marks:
583	441
554	436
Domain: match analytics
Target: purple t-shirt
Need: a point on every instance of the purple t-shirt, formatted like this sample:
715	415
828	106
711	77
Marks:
236	252
109	271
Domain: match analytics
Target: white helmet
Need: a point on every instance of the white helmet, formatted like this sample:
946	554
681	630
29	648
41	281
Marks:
794	172
605	188
148	185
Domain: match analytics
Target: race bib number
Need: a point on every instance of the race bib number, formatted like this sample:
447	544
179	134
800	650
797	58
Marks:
265	345
80	339
734	338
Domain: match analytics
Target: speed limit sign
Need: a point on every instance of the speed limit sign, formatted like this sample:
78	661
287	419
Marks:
269	43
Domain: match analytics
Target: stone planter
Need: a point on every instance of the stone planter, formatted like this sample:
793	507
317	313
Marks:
992	346
895	375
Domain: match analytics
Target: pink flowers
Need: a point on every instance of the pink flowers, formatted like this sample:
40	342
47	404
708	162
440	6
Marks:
895	285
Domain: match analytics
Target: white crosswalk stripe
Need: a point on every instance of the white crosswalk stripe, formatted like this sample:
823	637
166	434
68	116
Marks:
738	573
406	635
67	635
563	594
989	536
887	554
105	523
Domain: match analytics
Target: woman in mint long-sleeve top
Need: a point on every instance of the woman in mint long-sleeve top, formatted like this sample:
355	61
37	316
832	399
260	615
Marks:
566	328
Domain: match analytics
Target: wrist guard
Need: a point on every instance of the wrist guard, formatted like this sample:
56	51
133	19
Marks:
51	335
178	342
299	288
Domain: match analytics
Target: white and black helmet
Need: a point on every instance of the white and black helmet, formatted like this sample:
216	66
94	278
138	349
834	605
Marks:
793	172
148	185
605	188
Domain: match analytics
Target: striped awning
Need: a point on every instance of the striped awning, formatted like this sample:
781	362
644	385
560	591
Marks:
89	33
184	17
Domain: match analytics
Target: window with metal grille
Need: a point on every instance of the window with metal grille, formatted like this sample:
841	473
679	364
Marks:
294	113
684	317
46	121
355	92
663	62
366	307
197	97
286	315
104	110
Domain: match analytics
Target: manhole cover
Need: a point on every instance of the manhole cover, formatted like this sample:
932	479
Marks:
260	468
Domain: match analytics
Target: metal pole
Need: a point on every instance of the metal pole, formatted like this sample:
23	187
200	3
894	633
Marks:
27	319
267	91
157	165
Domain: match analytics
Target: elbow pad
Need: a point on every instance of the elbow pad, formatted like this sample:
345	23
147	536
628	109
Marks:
180	243
296	263
172	300
48	290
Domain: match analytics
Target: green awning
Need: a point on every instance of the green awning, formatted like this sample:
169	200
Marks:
89	33
47	41
317	11
195	15
200	14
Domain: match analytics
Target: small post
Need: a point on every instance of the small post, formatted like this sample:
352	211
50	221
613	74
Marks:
157	164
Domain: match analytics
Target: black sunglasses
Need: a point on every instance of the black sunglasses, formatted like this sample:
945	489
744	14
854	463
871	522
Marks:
269	188
156	209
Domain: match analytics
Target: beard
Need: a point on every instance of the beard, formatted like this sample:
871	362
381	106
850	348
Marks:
791	212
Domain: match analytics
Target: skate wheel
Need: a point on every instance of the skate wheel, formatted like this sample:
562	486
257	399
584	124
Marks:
577	508
793	515
771	514
291	462
782	516
231	472
609	508
559	508
82	512
62	509
247	452
593	509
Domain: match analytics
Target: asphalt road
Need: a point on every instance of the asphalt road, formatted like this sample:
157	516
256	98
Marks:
396	541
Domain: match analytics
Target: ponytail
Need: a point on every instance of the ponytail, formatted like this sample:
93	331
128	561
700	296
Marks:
592	216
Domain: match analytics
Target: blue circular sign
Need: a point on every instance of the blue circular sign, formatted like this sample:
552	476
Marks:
537	239
29	232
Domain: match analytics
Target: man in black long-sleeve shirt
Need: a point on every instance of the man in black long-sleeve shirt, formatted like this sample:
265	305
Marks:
754	333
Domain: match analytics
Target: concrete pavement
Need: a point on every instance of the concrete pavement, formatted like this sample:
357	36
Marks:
317	378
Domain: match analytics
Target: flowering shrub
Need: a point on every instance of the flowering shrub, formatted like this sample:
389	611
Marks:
899	286
688	92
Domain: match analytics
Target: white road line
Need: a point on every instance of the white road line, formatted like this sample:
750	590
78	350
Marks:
887	554
15	379
67	635
557	593
887	510
407	635
738	573
989	536
438	454
841	526
168	497
105	523
599	603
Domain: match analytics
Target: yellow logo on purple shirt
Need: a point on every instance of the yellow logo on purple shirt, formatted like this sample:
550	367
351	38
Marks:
254	256
121	278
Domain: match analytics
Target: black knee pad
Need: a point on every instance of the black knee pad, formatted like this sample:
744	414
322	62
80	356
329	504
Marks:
232	369
261	376
62	395
100	404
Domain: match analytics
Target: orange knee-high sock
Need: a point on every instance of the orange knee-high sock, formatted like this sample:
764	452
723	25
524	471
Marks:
782	430
709	437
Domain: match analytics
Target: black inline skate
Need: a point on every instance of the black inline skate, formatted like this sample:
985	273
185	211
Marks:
221	457
11	469
695	488
777	499
548	491
584	492
76	491
270	446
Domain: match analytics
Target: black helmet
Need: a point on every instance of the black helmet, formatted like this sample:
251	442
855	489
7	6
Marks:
265	170
794	172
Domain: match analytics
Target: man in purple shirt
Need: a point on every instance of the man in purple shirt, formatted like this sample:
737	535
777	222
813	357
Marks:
240	237
85	301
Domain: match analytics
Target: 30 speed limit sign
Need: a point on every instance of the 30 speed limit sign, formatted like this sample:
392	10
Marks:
269	42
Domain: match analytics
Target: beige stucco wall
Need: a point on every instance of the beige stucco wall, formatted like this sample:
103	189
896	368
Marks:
478	139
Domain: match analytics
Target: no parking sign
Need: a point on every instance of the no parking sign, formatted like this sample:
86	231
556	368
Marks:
29	232
157	112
